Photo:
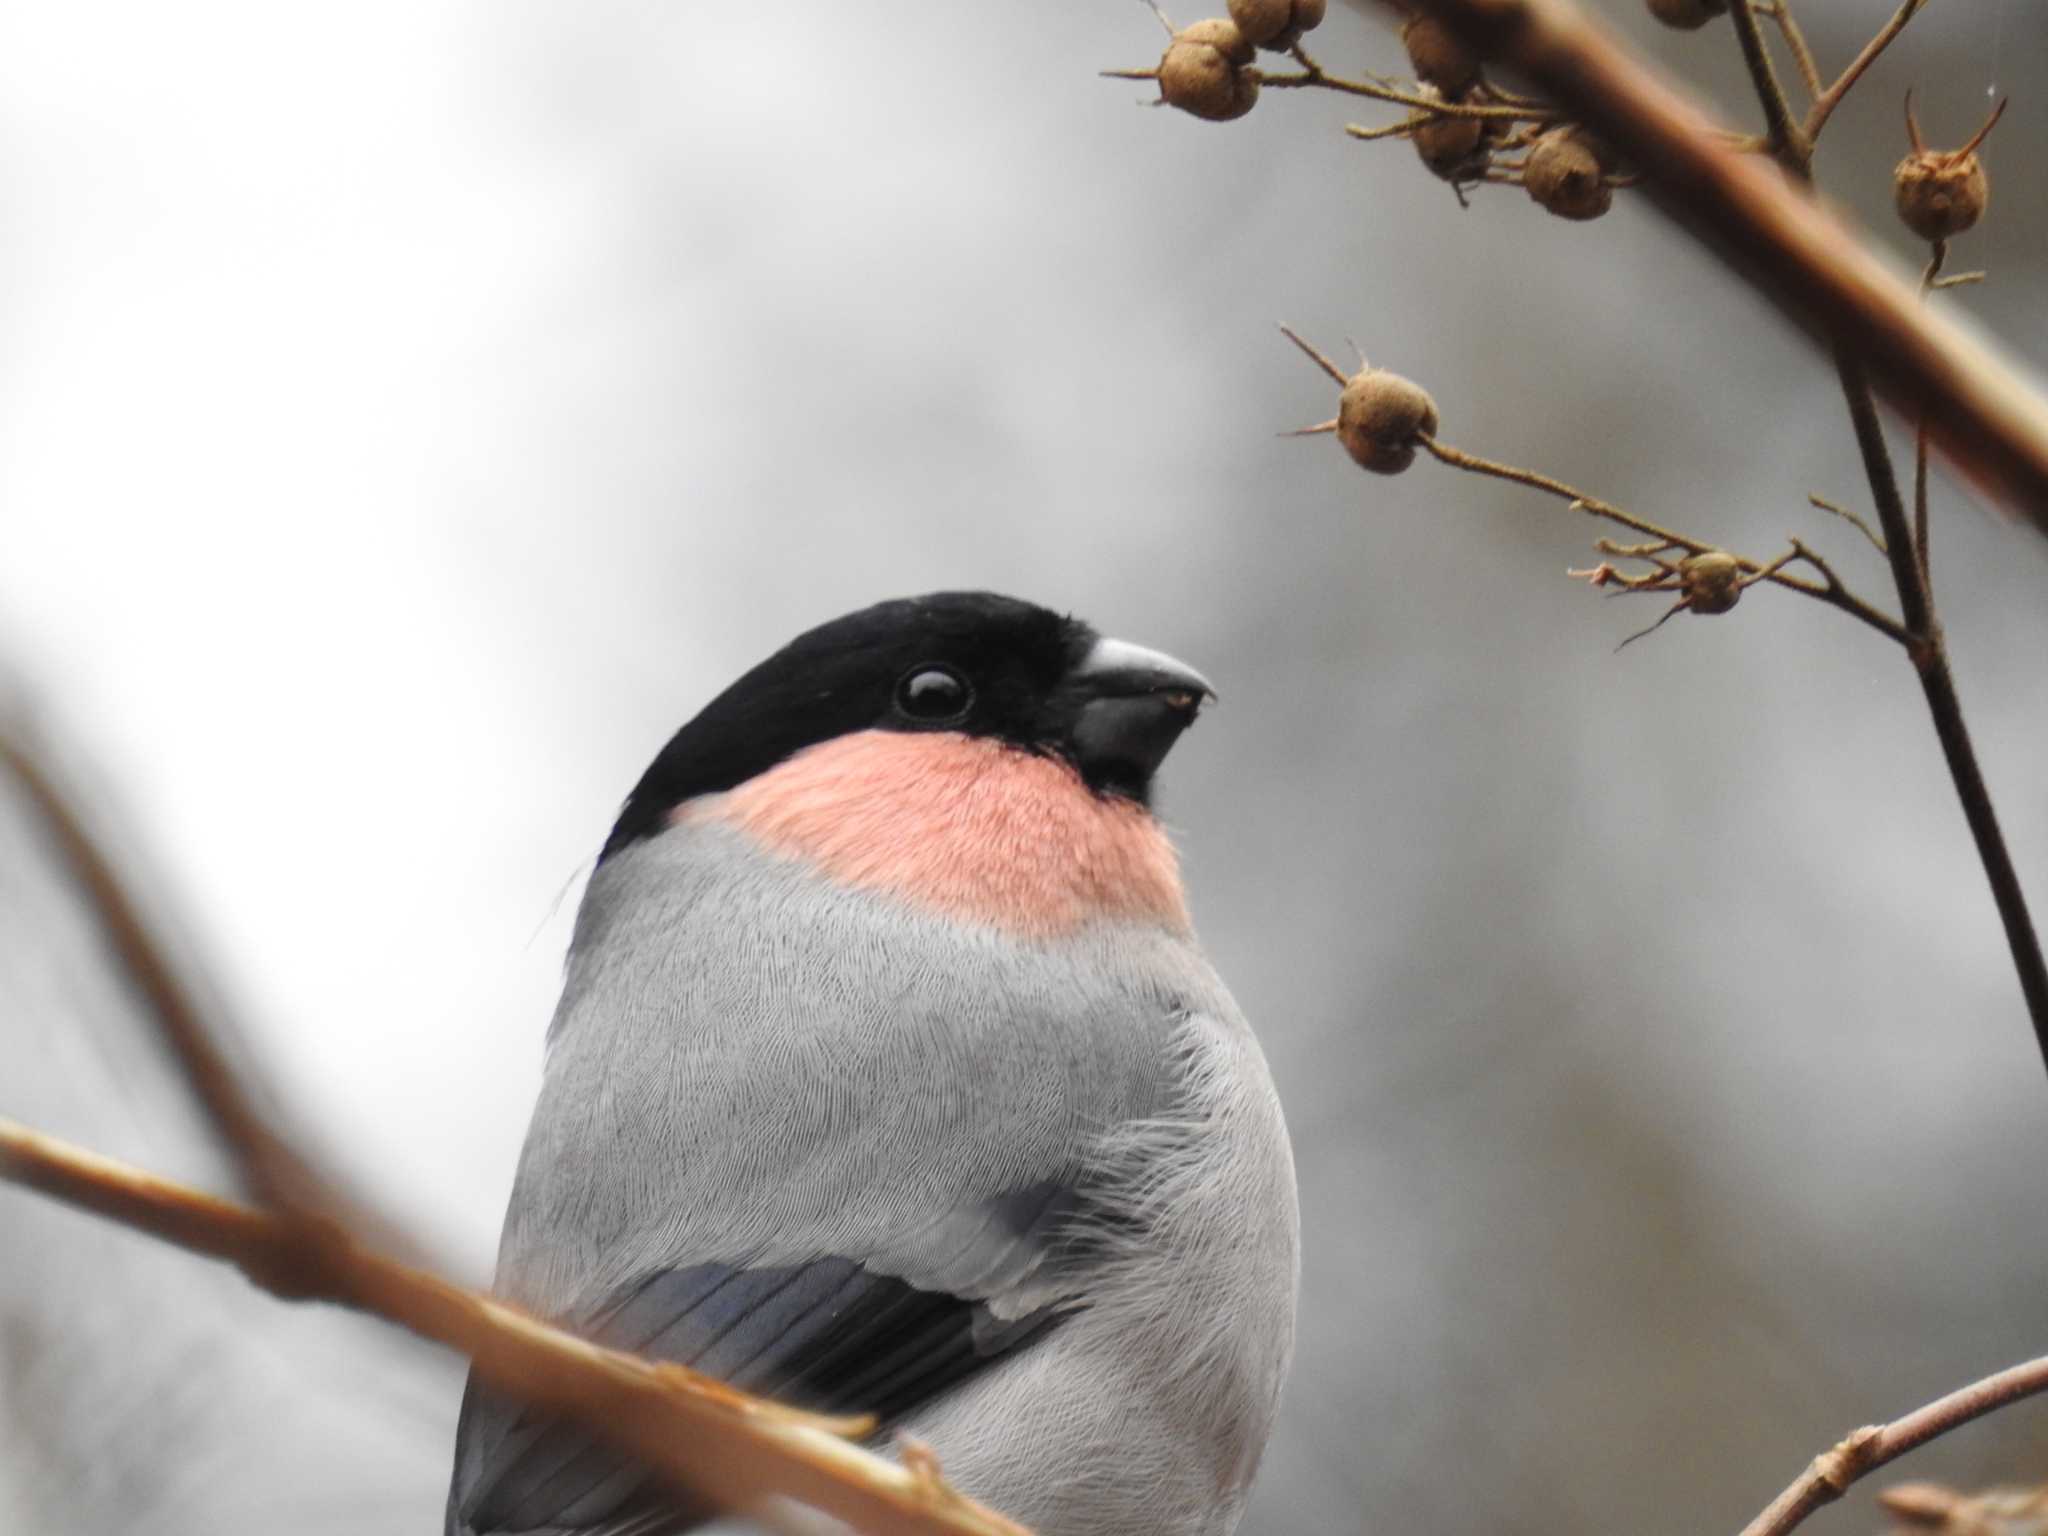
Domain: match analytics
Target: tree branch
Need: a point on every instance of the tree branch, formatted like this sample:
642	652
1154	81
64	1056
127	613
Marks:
697	1433
273	1173
1831	1473
1979	411
1824	105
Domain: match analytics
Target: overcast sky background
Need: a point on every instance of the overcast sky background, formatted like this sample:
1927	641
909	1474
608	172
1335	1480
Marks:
409	414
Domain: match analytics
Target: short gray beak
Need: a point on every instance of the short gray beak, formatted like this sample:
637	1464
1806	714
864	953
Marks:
1119	668
1134	705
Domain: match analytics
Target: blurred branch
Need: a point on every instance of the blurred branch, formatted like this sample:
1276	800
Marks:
1831	1473
271	1170
697	1433
273	1173
1979	411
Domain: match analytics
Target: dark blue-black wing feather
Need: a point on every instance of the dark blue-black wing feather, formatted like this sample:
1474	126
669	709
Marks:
831	1336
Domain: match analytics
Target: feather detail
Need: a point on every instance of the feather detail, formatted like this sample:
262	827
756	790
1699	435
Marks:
963	826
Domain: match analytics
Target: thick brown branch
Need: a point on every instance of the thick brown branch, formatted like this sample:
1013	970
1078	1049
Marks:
697	1433
1831	1473
1979	411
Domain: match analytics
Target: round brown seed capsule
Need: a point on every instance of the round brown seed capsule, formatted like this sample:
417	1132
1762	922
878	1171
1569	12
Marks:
1452	147
1687	15
1939	194
1437	57
1710	583
1277	24
1563	173
1203	72
1379	416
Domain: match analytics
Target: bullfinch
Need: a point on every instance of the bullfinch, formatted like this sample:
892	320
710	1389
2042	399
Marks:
888	1077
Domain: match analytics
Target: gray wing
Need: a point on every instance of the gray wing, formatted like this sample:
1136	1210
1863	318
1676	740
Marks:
831	1335
849	1174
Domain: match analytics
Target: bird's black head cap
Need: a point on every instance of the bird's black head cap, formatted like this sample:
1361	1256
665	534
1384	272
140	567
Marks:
972	662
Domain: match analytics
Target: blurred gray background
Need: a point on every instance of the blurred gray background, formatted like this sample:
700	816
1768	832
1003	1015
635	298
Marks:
409	413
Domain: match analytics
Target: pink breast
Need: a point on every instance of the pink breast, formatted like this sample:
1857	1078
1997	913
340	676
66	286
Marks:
962	826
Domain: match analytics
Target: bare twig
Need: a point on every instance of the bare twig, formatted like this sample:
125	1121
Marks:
1936	257
1829	590
1831	1473
697	1433
1929	651
1314	77
1780	11
1824	105
1787	135
1868	532
1979	411
1407	125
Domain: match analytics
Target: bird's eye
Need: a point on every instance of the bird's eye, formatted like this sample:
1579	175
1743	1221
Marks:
933	693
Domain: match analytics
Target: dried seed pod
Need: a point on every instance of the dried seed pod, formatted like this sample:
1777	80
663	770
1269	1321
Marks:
1438	58
1710	583
1938	197
1452	147
1942	192
1204	72
1379	416
1277	24
1687	15
1563	173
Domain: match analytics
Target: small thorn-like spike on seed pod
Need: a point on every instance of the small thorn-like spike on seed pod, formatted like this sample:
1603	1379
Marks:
1710	583
1563	173
1438	58
1687	15
1277	24
1452	147
1204	72
1379	416
1942	192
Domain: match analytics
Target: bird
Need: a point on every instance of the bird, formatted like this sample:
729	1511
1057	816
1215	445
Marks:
888	1077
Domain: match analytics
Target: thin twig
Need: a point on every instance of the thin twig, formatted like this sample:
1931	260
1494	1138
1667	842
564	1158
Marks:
1831	1473
1787	135
1856	522
1780	11
1937	681
1457	458
697	1433
1406	126
1314	77
1830	590
1824	105
1936	257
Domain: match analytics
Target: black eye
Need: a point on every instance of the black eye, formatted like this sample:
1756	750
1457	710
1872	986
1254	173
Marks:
933	693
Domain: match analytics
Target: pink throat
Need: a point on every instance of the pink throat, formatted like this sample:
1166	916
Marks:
961	826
